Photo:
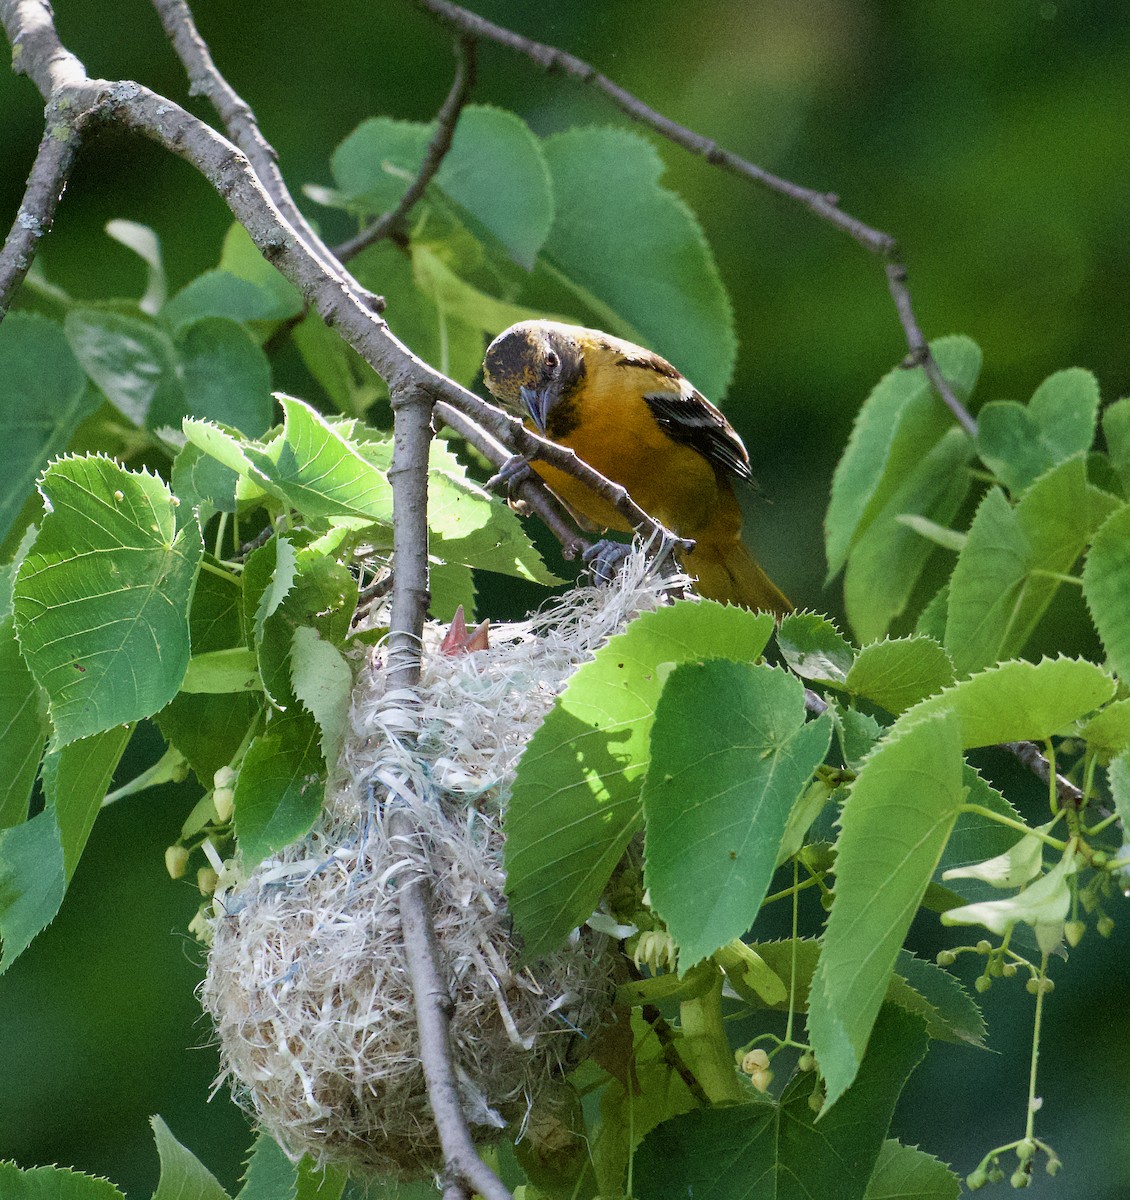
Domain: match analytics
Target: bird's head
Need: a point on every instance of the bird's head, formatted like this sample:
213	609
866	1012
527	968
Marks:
532	365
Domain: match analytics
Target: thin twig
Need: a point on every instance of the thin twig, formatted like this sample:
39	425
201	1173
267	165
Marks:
825	205
1030	756
237	116
530	490
438	146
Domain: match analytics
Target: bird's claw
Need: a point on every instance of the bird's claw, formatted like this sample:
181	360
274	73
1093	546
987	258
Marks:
604	558
512	472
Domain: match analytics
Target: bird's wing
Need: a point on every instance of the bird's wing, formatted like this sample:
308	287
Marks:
688	417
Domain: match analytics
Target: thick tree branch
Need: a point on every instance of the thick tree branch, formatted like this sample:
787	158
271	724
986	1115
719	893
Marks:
438	146
49	173
825	205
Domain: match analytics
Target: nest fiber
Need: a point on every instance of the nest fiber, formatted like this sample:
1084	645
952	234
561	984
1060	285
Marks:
307	982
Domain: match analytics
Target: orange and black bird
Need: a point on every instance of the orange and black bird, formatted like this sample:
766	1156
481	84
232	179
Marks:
631	415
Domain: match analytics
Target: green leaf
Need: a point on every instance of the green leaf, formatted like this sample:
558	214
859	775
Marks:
132	361
280	787
270	1175
939	999
1006	575
75	780
1020	701
315	591
324	683
102	598
474	528
731	754
897	674
346	378
455	297
53	1183
1118	774
32	883
894	827
814	648
43	399
203	484
225	377
780	1151
1107	733
907	1173
147	246
856	733
451	585
635	253
1106	584
1019	444
1116	430
183	1175
899	423
318	471
222	294
575	801
888	557
23	729
494	173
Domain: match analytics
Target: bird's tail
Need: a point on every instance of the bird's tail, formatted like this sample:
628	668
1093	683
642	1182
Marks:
726	571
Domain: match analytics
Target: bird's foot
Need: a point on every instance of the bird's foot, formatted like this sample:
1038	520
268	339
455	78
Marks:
604	558
512	472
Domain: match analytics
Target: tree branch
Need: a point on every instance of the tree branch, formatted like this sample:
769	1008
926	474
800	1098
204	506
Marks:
1030	756
438	146
49	174
824	205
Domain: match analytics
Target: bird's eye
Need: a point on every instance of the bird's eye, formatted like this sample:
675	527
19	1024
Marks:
549	363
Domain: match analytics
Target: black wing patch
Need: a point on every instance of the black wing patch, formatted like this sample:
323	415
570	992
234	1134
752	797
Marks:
691	419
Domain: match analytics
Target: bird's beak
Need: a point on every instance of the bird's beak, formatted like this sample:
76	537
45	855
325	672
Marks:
537	402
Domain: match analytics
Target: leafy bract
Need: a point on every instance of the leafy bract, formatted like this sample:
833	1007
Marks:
53	1183
781	1151
896	674
32	882
576	796
897	426
1106	584
183	1175
894	827
1020	701
147	246
976	837
43	398
731	753
101	600
1018	444
634	253
1007	572
494	174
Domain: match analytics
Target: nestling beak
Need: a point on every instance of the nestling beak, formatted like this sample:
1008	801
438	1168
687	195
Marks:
538	402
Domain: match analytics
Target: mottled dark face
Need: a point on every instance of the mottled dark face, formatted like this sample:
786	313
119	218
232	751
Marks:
533	365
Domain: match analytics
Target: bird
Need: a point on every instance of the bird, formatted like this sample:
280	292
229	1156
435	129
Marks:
632	416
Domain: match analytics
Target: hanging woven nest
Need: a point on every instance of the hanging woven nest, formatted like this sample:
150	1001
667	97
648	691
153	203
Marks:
307	982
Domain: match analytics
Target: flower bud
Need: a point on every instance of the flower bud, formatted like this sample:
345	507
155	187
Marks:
223	800
223	778
1074	931
945	958
176	860
206	880
754	1061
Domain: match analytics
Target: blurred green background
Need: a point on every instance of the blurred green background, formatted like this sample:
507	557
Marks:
991	139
